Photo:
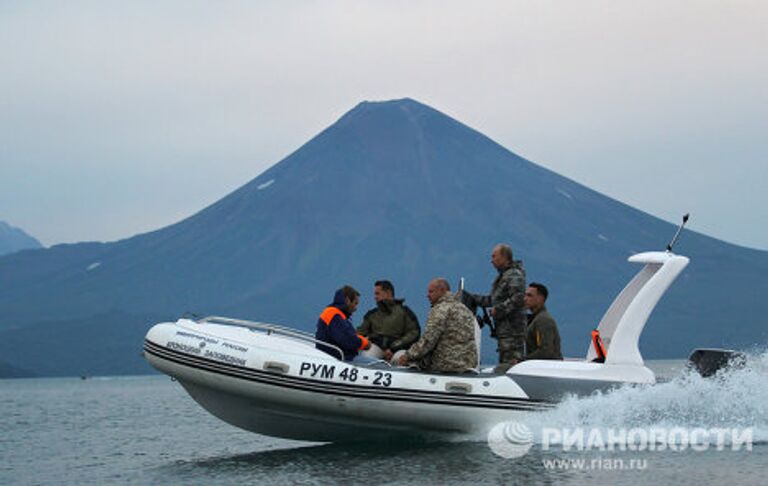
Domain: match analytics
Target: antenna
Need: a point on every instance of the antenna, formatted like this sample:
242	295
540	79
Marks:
679	229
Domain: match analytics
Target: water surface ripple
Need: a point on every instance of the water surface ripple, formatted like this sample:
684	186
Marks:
146	430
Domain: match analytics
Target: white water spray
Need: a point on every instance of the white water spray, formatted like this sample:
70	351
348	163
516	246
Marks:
734	398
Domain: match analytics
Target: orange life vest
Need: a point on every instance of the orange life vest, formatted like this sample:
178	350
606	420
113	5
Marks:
330	312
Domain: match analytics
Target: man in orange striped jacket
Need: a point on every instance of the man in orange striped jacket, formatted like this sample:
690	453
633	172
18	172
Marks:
334	326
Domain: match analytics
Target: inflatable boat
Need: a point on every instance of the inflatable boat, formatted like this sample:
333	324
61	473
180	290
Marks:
272	379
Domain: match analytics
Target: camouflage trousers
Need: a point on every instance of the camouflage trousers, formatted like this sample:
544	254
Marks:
511	348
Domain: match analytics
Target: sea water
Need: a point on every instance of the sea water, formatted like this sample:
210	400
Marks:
147	430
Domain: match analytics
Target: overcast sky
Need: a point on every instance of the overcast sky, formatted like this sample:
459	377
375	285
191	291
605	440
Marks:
122	117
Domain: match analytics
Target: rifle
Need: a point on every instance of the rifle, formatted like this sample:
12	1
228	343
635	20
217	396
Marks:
486	320
469	301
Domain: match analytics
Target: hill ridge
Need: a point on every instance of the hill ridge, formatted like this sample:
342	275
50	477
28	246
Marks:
395	190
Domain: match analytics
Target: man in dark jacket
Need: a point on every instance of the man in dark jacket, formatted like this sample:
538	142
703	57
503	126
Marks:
391	325
542	337
334	326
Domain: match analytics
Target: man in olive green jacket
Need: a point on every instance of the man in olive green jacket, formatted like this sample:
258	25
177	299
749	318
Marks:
391	325
542	337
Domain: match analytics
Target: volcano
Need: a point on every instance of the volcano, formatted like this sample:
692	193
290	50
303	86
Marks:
392	190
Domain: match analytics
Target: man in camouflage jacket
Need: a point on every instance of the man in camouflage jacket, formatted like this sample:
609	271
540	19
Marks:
448	343
507	304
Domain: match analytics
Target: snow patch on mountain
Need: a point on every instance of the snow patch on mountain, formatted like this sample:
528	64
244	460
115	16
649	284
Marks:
265	184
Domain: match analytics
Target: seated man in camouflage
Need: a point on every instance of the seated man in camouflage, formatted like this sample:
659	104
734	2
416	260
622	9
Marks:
448	344
391	326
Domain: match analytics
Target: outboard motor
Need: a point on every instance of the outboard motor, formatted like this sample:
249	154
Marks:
707	362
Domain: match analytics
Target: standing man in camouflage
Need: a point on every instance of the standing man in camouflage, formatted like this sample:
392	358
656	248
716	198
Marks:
507	306
448	343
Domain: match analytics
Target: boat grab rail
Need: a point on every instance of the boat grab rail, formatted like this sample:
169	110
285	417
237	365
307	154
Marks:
271	329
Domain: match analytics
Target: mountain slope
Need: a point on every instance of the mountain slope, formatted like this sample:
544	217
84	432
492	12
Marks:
392	190
9	371
13	239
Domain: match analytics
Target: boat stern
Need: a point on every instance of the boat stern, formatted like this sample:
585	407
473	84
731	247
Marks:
552	380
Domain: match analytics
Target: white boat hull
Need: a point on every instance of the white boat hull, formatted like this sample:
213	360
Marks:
282	387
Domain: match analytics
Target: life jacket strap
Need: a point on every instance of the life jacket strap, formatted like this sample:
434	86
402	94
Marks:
364	342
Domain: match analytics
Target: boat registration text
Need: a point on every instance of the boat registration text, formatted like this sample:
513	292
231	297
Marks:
345	373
